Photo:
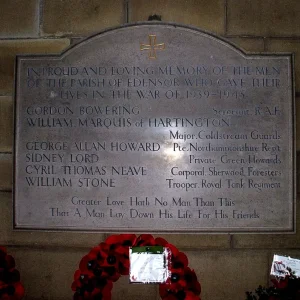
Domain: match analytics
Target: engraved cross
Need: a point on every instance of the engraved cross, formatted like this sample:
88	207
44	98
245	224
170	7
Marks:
152	46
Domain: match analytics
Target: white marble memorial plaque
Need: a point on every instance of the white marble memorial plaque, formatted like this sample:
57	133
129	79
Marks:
155	127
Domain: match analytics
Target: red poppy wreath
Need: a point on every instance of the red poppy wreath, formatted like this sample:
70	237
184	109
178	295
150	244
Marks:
10	286
108	261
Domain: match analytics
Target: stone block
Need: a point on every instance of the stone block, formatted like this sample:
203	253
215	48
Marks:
283	45
19	18
266	241
6	124
10	48
249	44
269	241
205	14
40	238
229	274
194	241
263	18
6	167
48	274
80	17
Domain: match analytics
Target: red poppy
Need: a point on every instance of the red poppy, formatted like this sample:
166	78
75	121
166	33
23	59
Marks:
281	283
178	271
145	240
120	244
12	291
2	253
170	296
80	279
19	291
91	287
181	279
92	268
192	281
114	256
12	276
87	264
161	242
121	239
10	286
106	260
175	283
94	293
10	262
6	261
191	296
179	259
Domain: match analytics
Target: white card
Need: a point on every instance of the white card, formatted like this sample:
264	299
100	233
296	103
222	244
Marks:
281	263
148	267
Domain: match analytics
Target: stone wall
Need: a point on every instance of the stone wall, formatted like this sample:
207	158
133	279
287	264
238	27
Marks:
227	265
